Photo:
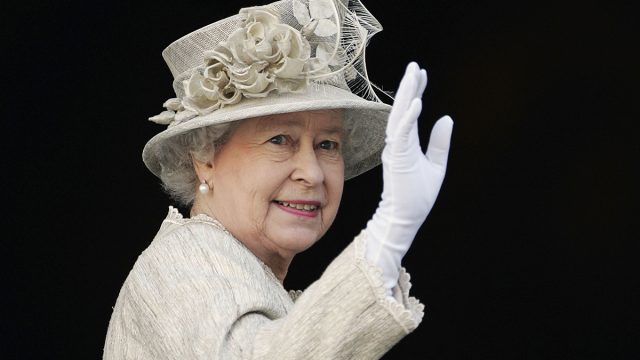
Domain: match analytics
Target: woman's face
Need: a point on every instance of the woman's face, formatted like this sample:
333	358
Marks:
277	182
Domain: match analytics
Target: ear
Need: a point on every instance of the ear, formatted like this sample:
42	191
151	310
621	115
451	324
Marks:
204	170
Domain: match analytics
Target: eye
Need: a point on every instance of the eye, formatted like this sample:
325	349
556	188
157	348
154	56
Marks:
328	145
278	140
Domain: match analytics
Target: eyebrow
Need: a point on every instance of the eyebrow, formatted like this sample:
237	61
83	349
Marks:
270	125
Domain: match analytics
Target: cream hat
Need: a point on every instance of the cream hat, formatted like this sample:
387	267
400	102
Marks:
288	56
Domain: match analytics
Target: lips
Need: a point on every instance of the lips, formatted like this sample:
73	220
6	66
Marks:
298	206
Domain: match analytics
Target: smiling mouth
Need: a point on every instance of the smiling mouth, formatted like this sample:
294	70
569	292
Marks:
303	207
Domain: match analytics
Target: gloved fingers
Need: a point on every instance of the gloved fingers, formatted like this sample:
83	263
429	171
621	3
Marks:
406	92
409	84
422	83
409	122
439	141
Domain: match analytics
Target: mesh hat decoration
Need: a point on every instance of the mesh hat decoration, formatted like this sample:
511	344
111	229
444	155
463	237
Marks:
284	57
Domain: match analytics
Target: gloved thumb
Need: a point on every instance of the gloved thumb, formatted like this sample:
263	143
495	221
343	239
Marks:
439	141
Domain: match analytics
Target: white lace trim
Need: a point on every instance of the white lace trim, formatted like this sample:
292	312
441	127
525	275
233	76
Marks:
175	216
409	311
295	294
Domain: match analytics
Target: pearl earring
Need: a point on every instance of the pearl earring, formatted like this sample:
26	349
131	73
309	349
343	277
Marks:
203	188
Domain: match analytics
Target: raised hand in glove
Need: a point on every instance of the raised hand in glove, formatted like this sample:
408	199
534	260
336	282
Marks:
411	179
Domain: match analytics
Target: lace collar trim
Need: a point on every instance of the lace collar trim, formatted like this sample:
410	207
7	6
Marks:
175	216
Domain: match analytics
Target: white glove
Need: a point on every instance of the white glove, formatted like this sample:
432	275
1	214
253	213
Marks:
411	179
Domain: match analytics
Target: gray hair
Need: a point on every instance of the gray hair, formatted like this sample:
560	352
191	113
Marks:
176	156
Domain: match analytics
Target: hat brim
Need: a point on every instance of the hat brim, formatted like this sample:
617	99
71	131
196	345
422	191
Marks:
364	121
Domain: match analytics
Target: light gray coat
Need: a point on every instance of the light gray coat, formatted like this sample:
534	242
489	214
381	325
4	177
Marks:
198	293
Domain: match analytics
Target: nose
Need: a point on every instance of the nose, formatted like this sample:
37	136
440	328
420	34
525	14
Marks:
307	169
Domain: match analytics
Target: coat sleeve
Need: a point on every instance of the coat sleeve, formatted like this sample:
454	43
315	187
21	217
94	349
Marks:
345	314
187	302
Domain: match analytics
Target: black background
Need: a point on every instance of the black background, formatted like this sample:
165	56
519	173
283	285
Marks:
531	251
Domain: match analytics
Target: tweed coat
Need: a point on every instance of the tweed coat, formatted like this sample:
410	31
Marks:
198	293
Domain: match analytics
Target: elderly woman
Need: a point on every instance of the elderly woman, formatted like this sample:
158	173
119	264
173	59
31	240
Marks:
263	132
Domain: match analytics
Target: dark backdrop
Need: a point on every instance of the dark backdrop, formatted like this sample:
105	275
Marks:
530	252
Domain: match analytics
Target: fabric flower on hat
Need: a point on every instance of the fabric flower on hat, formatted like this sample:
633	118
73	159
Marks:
267	54
262	56
315	18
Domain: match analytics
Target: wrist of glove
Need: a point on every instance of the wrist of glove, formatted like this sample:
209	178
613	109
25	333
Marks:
411	179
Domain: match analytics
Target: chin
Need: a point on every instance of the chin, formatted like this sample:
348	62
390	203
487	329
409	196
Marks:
299	240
